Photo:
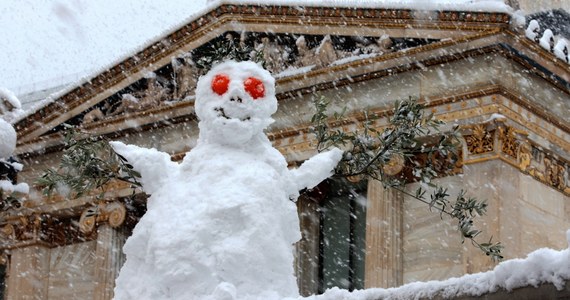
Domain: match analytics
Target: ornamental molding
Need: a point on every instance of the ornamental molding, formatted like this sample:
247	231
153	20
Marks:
53	229
113	213
151	116
84	97
499	140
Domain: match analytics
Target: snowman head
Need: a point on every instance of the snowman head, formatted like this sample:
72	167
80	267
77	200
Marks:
234	102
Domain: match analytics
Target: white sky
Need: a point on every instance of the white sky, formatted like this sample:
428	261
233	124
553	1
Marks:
49	42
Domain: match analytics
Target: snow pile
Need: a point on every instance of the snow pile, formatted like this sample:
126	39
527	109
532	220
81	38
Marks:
7	146
547	40
220	225
10	105
7	139
557	45
539	267
561	50
533	30
7	186
10	97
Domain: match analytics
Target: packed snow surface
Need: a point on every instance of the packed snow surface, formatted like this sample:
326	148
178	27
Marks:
7	139
539	267
221	224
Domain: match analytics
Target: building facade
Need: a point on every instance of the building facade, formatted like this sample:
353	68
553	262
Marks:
472	69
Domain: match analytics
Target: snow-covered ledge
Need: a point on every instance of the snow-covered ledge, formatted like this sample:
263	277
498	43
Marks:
541	275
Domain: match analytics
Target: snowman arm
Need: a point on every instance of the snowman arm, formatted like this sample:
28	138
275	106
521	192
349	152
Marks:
153	165
316	169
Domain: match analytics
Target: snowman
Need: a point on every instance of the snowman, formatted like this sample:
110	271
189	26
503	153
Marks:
222	223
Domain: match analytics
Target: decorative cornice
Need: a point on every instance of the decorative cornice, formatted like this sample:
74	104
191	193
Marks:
39	229
49	230
201	26
497	140
496	48
371	75
278	137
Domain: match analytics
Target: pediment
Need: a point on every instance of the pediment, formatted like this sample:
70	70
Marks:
306	49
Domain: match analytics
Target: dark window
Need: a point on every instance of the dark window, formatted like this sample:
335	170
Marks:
342	237
332	250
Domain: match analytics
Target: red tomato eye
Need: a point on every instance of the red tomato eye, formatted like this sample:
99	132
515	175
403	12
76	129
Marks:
254	87
220	84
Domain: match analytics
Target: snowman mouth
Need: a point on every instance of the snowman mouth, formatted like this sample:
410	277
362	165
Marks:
222	114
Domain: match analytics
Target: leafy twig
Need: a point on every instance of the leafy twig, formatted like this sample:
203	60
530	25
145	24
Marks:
87	164
403	143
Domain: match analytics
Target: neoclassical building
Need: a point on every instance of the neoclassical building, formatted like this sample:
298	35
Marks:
475	69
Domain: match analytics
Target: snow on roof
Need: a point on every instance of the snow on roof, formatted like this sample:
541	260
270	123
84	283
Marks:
539	267
455	5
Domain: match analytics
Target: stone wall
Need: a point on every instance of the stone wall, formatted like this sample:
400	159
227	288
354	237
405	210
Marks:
523	214
78	271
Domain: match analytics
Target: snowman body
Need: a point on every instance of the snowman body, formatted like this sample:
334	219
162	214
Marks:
221	224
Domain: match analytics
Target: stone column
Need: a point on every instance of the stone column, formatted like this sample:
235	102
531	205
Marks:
307	258
28	273
109	259
384	219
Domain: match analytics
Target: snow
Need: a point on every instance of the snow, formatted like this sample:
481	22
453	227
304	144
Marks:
150	75
546	39
50	40
354	58
7	145
7	186
7	138
496	116
532	30
470	5
8	113
291	71
221	224
130	98
10	97
560	48
539	267
130	40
